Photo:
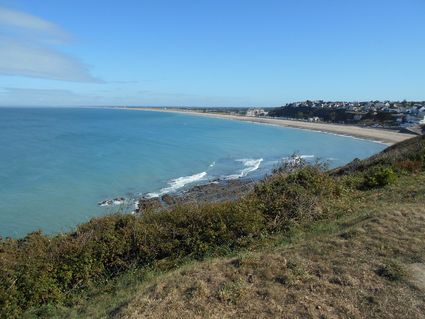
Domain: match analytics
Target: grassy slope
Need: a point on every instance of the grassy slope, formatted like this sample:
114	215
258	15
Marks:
370	264
365	261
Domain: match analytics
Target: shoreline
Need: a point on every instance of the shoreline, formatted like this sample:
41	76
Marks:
383	136
214	191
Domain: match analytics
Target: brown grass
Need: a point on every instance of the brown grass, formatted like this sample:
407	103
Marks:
336	275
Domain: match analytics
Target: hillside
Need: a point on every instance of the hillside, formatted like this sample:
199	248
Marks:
368	265
305	243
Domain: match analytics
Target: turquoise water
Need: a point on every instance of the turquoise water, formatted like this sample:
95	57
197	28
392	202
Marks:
56	164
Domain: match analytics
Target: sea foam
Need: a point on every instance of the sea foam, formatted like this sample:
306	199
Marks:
250	164
176	184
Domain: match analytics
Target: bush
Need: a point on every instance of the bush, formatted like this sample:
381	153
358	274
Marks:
298	197
352	181
378	177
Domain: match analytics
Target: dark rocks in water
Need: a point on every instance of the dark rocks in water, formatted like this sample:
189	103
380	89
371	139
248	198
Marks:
107	202
216	191
119	200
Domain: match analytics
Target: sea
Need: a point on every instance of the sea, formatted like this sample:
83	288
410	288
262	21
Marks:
59	167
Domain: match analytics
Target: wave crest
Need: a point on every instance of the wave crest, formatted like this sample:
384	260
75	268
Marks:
250	164
178	183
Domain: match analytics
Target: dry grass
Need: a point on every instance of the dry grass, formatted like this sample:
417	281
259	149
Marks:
373	267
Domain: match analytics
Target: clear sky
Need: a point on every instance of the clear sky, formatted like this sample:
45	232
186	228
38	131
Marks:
209	53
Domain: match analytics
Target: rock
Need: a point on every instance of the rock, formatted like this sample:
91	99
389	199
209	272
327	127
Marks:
104	203
149	204
168	199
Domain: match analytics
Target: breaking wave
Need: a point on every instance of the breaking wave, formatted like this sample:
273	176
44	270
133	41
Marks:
250	166
176	184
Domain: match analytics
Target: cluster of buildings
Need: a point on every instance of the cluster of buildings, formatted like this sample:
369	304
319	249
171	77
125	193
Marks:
406	113
386	106
256	112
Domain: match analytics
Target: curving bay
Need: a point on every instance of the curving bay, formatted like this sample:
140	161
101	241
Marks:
57	164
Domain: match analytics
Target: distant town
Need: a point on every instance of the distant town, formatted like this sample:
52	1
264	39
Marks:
382	114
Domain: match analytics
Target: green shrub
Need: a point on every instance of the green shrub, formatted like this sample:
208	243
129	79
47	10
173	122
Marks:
352	181
378	177
297	197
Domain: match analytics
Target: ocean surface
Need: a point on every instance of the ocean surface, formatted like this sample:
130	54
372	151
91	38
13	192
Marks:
58	164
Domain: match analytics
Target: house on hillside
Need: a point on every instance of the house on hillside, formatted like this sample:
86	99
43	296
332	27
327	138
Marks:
256	112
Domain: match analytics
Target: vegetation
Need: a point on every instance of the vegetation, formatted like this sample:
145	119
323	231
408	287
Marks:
367	262
40	275
392	271
379	176
333	115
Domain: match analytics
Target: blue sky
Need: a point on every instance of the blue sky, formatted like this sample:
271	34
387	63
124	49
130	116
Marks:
209	53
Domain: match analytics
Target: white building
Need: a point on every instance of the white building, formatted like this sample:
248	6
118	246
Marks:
256	112
313	119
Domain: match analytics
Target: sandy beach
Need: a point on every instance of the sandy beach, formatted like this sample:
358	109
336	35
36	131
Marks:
388	137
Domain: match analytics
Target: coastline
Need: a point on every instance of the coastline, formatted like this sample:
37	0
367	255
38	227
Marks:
216	191
383	136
